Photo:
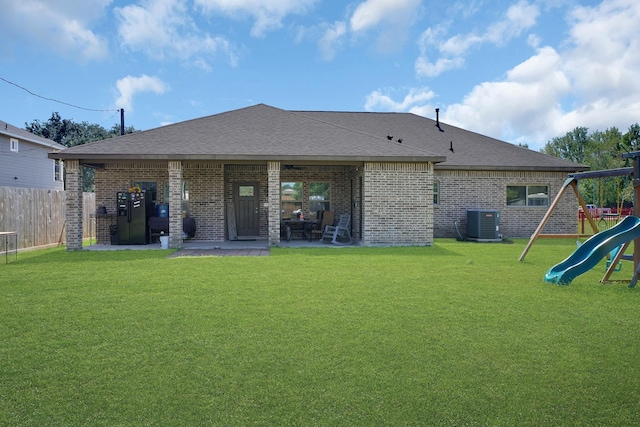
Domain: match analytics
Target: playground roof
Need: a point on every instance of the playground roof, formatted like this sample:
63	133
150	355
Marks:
602	173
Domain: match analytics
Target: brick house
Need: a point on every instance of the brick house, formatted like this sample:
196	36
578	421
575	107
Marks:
404	179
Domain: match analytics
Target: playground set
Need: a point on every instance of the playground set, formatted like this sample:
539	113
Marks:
611	243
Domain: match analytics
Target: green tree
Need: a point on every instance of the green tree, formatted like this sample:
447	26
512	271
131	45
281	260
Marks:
603	153
600	151
631	140
69	133
572	146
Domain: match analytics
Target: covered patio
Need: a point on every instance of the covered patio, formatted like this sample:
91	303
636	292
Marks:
239	175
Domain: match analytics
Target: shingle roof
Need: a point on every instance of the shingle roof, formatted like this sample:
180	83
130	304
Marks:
470	150
15	132
262	132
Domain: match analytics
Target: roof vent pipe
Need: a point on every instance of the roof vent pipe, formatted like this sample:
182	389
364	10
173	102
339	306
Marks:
437	117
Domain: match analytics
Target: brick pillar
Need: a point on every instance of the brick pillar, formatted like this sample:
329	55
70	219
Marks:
273	175
74	205
175	204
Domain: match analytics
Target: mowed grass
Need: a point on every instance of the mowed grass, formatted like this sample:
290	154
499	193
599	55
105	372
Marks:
457	334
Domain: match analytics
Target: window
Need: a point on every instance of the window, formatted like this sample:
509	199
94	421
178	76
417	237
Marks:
57	170
149	187
527	195
185	190
319	197
246	190
436	192
13	144
290	198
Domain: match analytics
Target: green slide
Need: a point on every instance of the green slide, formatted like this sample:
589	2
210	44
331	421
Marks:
589	254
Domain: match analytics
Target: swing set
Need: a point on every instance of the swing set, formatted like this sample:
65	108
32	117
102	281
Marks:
572	182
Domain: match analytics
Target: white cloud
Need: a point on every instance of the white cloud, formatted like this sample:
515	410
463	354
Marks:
526	102
392	20
592	82
268	15
518	18
130	86
63	26
163	29
431	69
377	100
372	13
331	39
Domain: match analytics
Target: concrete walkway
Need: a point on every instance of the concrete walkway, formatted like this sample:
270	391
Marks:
251	247
219	252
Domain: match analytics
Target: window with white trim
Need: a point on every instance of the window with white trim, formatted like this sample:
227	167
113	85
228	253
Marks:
57	170
436	192
527	195
13	144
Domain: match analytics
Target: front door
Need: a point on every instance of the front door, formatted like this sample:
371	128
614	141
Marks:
247	204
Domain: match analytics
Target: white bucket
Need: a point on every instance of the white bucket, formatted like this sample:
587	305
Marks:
164	242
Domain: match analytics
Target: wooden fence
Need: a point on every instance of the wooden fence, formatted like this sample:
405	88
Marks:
39	215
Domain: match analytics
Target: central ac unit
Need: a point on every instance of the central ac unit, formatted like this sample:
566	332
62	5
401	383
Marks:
483	226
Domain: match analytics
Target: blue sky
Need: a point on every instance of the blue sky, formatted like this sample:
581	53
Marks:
521	71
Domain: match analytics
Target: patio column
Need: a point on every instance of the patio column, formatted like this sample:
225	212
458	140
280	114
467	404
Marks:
273	176
74	186
175	204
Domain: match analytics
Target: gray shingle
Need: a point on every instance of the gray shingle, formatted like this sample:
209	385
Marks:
262	132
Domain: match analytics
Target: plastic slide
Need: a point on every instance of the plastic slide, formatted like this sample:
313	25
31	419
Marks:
589	254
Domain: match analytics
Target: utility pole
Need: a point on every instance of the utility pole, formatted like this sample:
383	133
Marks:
122	121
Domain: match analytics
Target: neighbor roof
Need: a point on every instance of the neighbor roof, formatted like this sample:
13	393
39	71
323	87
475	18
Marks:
21	134
262	132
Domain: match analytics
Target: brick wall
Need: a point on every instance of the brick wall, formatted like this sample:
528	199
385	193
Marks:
206	198
487	190
273	195
74	183
206	191
120	176
398	203
175	203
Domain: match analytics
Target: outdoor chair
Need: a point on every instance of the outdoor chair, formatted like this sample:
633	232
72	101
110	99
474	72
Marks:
338	234
326	219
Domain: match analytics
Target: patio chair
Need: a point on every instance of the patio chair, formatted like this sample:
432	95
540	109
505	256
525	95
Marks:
339	234
327	219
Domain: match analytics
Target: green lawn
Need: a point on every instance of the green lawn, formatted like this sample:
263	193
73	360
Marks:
458	334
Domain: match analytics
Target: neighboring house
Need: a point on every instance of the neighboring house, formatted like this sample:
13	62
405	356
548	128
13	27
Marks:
24	161
404	179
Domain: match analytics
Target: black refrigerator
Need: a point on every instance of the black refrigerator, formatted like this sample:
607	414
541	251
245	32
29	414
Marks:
133	211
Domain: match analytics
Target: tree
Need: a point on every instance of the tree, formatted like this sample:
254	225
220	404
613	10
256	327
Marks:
572	146
631	139
599	151
69	133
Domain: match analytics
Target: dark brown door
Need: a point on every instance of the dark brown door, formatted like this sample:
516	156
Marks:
247	206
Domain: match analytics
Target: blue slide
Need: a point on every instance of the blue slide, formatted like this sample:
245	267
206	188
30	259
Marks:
589	254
